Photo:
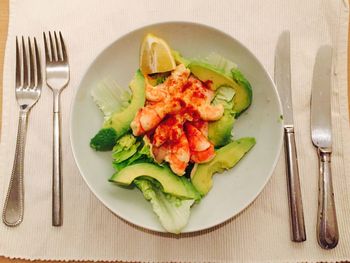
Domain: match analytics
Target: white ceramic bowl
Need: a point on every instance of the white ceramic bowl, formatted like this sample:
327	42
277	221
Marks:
233	190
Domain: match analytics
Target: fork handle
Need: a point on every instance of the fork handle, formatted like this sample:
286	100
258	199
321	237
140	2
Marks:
57	167
14	203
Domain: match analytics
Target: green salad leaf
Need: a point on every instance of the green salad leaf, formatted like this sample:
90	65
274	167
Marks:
224	96
220	63
173	212
129	150
110	97
125	148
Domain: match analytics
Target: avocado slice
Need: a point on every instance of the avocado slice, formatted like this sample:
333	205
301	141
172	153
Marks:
170	182
120	121
225	158
219	132
208	73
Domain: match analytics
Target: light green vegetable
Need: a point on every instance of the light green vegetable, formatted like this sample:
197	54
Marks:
129	151
110	97
224	96
173	212
104	140
221	63
125	148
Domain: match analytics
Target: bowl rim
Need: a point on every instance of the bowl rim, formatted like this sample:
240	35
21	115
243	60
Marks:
279	143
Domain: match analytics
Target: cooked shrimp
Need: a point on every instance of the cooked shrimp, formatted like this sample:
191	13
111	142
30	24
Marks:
136	126
197	95
170	129
171	85
203	156
210	112
202	126
160	153
201	149
197	141
146	119
151	115
156	93
176	115
179	155
177	165
177	79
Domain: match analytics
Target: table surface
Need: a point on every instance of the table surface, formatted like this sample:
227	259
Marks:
4	16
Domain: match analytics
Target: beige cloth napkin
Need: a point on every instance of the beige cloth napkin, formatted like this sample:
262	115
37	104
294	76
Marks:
90	231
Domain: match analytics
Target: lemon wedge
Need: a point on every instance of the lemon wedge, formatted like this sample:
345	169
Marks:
155	55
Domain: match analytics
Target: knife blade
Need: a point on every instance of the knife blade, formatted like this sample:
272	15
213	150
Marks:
321	135
283	82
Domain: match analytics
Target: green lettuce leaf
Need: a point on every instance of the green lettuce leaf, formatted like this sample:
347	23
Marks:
110	97
125	147
221	63
173	212
224	96
129	150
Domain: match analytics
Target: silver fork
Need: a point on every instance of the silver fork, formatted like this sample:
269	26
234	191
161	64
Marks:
28	89
57	78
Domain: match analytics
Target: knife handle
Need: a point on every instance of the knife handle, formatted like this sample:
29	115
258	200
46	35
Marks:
327	226
293	184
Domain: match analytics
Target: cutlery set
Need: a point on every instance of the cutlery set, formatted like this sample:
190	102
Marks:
28	85
321	135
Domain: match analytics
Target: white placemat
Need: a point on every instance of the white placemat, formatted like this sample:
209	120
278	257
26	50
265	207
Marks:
90	231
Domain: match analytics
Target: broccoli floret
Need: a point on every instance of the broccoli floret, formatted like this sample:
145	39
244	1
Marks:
104	140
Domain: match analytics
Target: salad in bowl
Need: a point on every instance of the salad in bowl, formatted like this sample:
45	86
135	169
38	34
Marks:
173	130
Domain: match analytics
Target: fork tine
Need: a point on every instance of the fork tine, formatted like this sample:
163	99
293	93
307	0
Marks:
63	47
31	65
38	66
24	65
47	52
18	66
59	54
53	52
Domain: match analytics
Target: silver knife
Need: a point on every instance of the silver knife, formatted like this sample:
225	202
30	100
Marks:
283	82
321	134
